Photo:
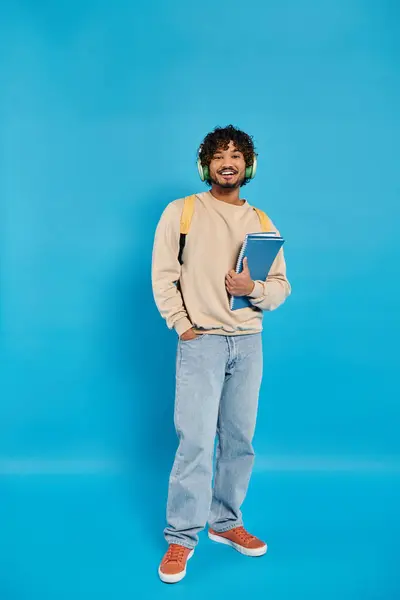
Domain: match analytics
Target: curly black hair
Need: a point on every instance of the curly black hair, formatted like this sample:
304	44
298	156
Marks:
219	139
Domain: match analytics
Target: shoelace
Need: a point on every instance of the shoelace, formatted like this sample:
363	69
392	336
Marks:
175	553
244	535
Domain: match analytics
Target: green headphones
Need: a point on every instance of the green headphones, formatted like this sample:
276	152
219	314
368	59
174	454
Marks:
204	171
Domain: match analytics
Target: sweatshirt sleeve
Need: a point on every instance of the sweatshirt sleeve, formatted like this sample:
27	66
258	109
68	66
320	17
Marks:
270	294
166	271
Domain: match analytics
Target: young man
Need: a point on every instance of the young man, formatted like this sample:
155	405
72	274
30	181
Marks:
219	361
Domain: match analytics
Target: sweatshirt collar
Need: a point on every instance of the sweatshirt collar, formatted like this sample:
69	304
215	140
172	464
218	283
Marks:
224	205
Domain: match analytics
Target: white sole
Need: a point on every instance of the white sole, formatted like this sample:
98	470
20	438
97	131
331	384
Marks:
246	551
174	578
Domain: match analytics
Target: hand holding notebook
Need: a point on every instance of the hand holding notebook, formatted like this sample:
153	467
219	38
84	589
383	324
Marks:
240	284
260	250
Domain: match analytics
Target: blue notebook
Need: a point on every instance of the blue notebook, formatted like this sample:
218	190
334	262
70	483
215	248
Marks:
261	250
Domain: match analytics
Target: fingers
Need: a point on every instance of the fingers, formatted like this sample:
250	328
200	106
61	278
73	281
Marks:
231	281
229	278
233	275
237	283
229	284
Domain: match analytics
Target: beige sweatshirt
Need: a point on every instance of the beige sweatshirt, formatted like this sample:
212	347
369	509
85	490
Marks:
212	247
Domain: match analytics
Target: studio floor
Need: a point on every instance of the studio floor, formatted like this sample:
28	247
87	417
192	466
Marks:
330	535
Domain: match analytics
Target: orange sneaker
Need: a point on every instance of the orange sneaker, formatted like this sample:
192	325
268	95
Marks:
173	566
241	540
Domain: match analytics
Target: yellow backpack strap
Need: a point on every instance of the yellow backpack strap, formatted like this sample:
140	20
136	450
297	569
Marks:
187	213
266	224
186	219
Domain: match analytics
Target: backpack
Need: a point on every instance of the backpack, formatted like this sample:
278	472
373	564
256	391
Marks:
186	219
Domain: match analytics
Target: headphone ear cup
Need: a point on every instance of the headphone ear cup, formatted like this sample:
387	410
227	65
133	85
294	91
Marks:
251	171
206	173
200	169
254	167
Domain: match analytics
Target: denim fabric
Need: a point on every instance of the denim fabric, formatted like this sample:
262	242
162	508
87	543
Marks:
217	386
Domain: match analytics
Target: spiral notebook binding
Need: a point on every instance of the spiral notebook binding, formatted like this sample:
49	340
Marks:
240	260
241	255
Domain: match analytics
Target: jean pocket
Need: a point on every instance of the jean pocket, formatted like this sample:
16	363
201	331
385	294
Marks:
194	340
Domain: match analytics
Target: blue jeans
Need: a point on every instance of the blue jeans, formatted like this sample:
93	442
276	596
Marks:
218	380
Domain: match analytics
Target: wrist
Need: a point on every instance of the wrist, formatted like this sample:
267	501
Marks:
182	326
252	285
258	290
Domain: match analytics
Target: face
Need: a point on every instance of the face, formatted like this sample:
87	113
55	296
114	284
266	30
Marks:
228	167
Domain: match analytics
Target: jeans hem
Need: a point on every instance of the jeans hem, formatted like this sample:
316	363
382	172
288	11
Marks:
229	528
179	542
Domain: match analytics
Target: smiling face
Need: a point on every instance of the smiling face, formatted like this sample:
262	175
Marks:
228	167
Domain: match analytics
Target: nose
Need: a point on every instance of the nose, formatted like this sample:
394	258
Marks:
227	164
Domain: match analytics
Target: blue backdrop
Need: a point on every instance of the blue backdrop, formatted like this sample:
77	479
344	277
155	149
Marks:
102	108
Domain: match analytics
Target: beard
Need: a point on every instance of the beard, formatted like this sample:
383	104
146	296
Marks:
227	185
